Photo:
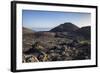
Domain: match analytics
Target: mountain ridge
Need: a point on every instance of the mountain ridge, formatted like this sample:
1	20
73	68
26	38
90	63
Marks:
66	27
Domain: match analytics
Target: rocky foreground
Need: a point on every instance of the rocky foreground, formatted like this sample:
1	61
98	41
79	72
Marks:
56	45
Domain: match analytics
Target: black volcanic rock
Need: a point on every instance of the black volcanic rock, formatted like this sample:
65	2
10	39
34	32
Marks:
66	27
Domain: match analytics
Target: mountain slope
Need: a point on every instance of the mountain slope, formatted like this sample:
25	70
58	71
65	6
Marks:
84	31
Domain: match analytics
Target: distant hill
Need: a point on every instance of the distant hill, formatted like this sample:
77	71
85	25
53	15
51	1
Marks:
84	31
66	27
27	30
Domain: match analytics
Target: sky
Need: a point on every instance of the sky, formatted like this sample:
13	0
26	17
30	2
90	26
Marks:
49	19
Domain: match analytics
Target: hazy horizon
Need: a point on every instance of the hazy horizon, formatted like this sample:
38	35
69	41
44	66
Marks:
42	29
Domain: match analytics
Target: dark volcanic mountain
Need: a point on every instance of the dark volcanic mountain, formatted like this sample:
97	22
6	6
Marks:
72	31
66	27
